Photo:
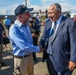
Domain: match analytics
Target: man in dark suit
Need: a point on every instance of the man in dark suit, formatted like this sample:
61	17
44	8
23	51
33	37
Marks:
59	42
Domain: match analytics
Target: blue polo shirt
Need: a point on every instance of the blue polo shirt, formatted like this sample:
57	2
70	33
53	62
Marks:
7	22
21	39
1	30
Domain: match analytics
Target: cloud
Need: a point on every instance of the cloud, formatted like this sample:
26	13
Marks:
66	5
55	1
37	8
9	9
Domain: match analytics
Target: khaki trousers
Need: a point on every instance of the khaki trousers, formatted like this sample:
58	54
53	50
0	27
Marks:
24	66
1	48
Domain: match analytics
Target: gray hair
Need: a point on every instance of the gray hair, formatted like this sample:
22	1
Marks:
57	5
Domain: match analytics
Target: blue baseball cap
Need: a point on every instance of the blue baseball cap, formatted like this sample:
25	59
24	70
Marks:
22	8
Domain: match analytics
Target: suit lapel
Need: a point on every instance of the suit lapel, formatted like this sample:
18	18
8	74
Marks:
59	28
48	31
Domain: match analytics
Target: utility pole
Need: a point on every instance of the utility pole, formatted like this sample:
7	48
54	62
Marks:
26	3
6	12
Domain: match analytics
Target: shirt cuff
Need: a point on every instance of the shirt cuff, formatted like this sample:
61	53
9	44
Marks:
37	49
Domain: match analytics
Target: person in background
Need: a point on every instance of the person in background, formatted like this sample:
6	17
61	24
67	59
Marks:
4	36
22	42
36	22
7	22
47	19
75	18
2	32
35	36
59	42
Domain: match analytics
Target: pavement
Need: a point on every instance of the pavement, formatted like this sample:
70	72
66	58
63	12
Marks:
40	68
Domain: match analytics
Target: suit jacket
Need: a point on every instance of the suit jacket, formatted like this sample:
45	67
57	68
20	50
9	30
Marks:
63	45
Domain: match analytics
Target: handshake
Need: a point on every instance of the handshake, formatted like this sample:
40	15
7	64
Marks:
41	49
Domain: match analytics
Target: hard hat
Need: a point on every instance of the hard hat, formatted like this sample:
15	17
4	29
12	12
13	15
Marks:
30	19
6	16
72	16
35	15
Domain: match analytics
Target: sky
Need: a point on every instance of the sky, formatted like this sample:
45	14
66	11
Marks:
7	7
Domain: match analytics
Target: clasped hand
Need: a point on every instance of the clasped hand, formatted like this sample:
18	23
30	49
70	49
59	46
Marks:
41	49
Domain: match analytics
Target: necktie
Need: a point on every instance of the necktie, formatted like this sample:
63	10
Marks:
54	27
49	49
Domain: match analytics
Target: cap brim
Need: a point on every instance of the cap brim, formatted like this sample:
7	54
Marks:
28	9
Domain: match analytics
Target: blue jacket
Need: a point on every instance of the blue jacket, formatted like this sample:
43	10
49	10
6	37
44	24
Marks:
63	45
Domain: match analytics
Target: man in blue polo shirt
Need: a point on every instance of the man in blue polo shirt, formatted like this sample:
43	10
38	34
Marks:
22	42
7	22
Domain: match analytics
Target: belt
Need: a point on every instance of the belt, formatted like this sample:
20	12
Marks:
21	56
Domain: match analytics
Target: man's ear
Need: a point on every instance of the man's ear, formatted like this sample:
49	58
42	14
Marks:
19	16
